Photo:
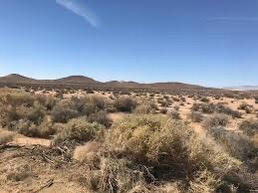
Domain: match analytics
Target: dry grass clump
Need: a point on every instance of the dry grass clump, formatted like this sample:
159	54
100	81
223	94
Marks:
79	130
216	120
101	118
206	108
88	152
220	108
5	138
174	114
204	182
168	149
249	127
125	104
19	174
63	111
196	117
209	108
146	108
236	144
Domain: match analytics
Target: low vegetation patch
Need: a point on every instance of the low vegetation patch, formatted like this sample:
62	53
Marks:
249	127
215	121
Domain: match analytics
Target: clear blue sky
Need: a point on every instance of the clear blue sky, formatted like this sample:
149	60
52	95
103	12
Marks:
208	42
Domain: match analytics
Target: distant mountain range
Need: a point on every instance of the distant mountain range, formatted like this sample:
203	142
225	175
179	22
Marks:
242	88
86	82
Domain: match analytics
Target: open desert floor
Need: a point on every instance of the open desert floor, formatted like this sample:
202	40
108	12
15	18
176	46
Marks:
73	141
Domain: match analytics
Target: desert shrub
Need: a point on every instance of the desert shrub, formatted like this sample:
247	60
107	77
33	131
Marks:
163	111
168	147
249	127
47	101
117	176
36	113
246	107
174	114
146	108
164	103
79	130
196	117
183	99
30	129
100	117
63	111
125	104
204	182
98	102
219	108
205	100
212	108
256	99
175	99
204	108
236	144
11	114
217	120
18	99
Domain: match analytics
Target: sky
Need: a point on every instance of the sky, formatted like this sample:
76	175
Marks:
205	42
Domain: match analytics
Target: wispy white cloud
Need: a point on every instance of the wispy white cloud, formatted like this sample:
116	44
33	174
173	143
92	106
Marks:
80	8
234	19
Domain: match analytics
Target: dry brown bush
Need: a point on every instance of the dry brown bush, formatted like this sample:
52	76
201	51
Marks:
249	127
196	117
125	104
216	120
146	108
79	130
